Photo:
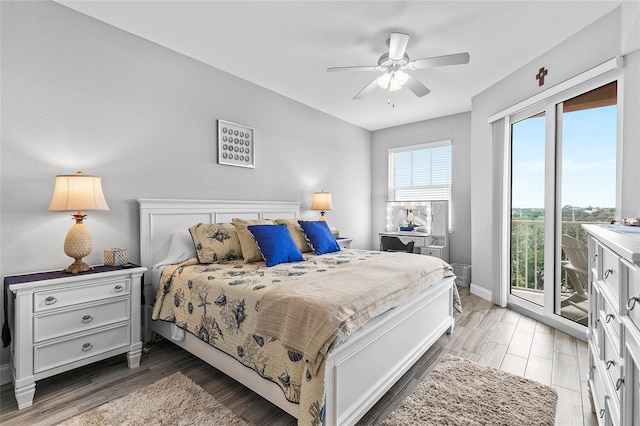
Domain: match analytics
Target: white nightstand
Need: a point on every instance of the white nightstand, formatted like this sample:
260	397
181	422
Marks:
344	243
61	321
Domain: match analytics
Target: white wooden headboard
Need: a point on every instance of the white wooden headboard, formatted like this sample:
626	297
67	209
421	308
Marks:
160	218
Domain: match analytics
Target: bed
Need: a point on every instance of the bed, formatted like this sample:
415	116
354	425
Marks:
387	345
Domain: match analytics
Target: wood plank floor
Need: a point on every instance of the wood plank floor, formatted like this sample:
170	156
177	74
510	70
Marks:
484	333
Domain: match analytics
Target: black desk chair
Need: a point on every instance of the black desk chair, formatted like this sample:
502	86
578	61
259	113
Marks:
389	243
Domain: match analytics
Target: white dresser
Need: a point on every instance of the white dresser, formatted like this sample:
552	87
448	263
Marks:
61	321
614	323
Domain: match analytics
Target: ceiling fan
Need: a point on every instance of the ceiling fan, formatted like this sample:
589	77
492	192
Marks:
394	63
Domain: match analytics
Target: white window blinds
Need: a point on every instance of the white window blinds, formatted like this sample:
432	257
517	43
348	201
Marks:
420	172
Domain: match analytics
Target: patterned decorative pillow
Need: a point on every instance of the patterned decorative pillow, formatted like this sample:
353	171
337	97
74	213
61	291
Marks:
296	233
250	250
215	242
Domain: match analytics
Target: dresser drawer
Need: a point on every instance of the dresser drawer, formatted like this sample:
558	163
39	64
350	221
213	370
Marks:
610	271
596	386
610	317
632	301
68	296
613	365
60	323
67	351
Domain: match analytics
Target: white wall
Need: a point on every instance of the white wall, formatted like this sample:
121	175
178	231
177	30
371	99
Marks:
78	94
454	127
592	46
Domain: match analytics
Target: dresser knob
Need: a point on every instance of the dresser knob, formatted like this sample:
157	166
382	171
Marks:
119	288
87	347
593	259
619	383
608	318
602	413
631	303
610	363
87	319
50	300
608	272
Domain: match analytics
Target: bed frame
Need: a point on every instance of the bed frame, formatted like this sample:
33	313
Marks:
359	371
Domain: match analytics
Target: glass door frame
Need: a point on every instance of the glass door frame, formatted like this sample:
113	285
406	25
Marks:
552	107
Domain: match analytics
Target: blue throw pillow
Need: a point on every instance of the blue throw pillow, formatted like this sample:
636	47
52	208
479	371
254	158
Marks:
275	244
319	236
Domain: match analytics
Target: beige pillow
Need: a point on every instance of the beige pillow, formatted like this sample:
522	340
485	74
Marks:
215	242
296	233
250	250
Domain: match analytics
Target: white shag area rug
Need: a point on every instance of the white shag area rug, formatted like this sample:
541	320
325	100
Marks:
174	400
461	392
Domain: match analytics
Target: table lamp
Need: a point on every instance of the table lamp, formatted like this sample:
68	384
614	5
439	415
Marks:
322	202
77	193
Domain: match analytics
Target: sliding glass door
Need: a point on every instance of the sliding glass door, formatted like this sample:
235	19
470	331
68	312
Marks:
563	174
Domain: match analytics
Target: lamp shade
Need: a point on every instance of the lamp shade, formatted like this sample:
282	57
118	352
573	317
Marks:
321	201
78	192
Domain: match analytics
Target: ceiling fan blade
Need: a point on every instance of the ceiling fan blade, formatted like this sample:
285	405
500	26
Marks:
363	68
397	45
440	61
367	89
416	87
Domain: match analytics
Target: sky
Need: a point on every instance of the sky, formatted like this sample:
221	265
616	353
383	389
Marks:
588	159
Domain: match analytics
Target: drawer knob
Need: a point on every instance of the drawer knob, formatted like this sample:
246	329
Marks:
87	319
631	303
610	363
50	300
619	383
608	318
608	272
87	347
602	413
119	288
594	258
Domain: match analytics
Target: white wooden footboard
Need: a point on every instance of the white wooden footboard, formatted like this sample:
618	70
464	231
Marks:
360	371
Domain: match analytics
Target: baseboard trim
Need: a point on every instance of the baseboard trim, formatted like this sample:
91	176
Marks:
5	374
481	292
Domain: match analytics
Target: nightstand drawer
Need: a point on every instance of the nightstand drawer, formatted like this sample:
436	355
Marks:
431	251
53	299
56	324
64	352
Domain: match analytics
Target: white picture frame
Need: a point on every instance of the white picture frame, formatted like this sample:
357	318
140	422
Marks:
236	145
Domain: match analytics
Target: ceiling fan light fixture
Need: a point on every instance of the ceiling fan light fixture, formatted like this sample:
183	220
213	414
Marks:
383	80
393	80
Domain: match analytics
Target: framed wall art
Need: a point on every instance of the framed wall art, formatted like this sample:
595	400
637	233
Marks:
235	144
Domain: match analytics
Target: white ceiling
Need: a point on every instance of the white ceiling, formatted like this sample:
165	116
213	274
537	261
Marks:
286	46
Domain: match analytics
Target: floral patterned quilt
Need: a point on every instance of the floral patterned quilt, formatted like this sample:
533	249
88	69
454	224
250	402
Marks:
220	303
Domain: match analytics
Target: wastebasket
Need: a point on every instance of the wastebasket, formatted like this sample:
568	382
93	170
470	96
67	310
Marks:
463	273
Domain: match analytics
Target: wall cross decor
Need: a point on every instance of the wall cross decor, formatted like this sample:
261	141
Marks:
540	76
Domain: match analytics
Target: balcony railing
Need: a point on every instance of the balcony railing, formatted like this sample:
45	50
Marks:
527	254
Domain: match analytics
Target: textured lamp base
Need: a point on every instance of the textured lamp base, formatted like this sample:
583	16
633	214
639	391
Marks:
78	266
77	245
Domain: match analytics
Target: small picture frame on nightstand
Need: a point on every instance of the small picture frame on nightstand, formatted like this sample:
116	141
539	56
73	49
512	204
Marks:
236	145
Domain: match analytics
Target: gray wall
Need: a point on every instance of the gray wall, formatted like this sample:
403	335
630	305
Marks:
78	94
457	129
590	47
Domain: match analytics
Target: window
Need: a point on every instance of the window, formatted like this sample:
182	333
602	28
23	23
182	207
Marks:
420	172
